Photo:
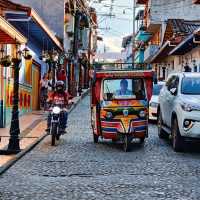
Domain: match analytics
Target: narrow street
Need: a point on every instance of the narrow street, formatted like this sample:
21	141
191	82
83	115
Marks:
79	169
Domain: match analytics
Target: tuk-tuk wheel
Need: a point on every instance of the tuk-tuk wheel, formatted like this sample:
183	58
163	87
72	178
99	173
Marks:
114	140
95	138
142	140
127	143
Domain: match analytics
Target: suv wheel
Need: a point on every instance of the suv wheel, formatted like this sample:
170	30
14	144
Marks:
161	132
177	140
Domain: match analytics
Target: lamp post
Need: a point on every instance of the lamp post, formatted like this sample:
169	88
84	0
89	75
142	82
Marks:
194	65
54	58
133	37
69	57
13	145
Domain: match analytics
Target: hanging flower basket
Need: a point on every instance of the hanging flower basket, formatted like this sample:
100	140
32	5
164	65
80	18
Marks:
6	61
70	34
28	57
48	60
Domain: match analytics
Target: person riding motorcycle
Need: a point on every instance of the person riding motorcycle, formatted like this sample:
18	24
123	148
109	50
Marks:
59	98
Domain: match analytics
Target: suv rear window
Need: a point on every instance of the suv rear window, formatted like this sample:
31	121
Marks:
191	85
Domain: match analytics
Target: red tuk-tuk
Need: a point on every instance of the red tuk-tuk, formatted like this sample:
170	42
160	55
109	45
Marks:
119	103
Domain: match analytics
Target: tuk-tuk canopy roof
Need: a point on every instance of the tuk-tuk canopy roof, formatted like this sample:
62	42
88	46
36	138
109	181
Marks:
120	70
124	74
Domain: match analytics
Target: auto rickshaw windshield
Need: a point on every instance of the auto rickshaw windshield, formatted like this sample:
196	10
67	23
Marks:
124	89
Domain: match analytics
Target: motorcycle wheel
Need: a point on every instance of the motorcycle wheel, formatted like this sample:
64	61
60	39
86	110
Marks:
58	137
142	140
53	140
53	134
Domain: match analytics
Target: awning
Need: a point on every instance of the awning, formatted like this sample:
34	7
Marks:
126	40
143	36
9	35
34	28
184	47
99	38
162	52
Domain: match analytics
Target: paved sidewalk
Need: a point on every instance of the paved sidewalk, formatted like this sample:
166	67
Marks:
32	127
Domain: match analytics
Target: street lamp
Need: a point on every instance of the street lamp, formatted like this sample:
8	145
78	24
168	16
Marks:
14	146
26	53
54	58
194	65
69	57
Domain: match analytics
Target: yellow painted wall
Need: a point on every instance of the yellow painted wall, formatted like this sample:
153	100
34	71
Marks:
28	72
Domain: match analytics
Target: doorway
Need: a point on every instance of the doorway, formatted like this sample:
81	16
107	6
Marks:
35	86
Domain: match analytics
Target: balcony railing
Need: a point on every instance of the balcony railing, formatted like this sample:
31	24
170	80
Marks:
150	52
139	56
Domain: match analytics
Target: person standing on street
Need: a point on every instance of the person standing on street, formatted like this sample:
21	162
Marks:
43	90
61	75
50	83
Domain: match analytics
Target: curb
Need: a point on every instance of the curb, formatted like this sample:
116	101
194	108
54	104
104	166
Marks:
18	156
78	101
29	129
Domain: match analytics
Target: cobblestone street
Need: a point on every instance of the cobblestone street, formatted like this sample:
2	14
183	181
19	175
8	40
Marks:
79	169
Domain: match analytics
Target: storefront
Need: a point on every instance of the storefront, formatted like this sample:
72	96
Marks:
9	36
25	22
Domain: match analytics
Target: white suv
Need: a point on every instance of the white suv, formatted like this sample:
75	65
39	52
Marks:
179	109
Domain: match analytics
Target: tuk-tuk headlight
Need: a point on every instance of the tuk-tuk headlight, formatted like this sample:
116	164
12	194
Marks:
125	113
109	115
142	114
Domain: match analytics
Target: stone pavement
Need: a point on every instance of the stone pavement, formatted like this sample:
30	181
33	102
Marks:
32	126
78	169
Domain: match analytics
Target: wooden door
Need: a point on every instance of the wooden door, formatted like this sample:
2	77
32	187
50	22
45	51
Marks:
35	86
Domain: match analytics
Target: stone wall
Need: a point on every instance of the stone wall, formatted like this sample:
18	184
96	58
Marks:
161	10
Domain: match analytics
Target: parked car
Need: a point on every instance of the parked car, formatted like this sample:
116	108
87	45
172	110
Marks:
179	109
153	104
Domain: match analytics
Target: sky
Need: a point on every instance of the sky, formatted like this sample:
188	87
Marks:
113	29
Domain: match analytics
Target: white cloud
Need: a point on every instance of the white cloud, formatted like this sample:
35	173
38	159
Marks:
112	44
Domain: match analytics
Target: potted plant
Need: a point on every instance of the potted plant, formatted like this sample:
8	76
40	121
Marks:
6	61
70	34
28	57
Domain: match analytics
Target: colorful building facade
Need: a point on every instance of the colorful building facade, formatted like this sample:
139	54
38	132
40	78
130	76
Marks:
28	23
169	24
75	24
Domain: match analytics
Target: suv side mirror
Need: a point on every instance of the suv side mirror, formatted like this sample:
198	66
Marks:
173	91
108	96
